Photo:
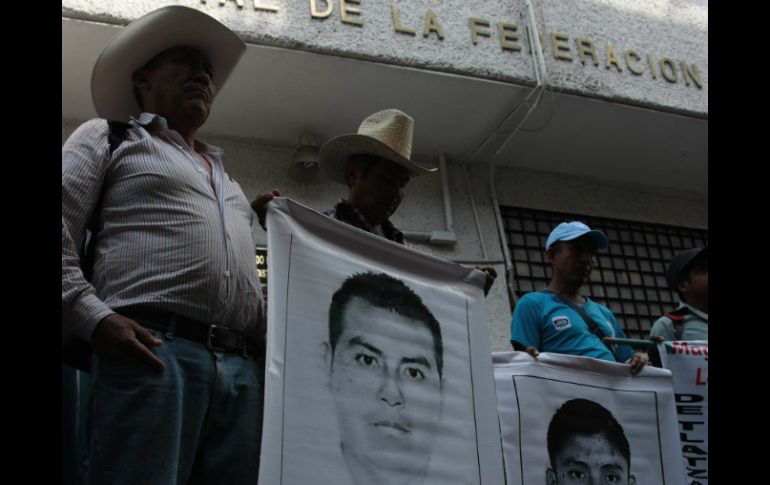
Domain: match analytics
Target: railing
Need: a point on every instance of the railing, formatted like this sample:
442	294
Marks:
650	346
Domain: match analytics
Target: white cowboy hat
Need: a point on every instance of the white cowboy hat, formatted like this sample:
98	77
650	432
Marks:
112	90
387	134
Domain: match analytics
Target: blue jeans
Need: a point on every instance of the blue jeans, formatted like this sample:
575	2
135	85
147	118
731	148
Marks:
197	422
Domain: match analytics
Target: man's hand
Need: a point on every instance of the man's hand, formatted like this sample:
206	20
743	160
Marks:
117	337
637	363
490	274
532	351
260	205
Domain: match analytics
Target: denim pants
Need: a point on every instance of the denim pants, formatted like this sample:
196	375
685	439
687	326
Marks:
197	422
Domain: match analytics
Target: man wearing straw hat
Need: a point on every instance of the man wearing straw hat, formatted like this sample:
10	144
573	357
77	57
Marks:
375	163
173	310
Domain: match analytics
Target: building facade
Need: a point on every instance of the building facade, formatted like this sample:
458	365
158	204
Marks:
535	111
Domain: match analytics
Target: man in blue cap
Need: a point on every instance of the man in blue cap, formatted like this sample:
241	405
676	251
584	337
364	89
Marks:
560	320
688	275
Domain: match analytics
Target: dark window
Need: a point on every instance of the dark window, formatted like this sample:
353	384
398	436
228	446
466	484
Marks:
630	275
261	254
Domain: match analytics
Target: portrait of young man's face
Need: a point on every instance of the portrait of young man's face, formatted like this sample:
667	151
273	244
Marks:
387	391
376	368
589	459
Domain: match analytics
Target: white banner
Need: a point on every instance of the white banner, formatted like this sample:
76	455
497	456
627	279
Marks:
689	365
378	367
567	419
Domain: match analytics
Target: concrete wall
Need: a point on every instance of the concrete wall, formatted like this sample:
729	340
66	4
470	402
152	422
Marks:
666	30
671	32
583	195
259	168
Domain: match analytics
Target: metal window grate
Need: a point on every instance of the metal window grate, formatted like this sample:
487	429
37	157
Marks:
630	275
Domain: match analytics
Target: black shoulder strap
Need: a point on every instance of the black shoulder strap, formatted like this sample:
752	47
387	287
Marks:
76	352
117	133
677	319
592	325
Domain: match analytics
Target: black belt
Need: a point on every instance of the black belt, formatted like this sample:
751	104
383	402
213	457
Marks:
214	337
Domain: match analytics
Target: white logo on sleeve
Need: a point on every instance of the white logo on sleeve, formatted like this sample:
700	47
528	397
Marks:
560	323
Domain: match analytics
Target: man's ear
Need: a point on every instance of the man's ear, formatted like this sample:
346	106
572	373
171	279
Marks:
549	254
631	479
550	477
326	351
352	172
140	80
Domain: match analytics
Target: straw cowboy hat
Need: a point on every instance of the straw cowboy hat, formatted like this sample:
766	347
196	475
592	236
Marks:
112	90
387	134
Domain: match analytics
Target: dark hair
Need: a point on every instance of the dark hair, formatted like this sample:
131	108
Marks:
383	291
557	247
138	98
584	417
149	66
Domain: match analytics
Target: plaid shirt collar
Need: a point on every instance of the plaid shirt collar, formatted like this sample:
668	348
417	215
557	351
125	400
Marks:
345	212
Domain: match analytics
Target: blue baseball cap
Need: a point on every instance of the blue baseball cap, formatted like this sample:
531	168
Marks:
567	231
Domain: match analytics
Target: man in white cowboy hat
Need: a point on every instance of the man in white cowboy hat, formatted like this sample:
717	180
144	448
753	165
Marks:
174	309
375	163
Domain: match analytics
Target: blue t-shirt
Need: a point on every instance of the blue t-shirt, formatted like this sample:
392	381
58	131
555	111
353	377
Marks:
543	322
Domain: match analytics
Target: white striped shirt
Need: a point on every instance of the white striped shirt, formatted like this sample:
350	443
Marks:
168	240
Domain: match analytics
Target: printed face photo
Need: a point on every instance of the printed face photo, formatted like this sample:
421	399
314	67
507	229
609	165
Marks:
587	459
587	445
385	376
376	377
560	432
